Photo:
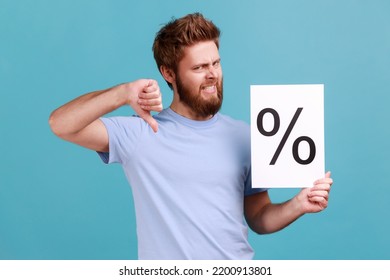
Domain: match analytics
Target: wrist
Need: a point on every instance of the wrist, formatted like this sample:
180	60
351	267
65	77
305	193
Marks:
297	205
126	94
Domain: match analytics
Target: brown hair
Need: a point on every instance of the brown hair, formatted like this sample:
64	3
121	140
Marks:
180	33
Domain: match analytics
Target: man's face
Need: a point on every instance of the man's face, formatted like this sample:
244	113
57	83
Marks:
199	79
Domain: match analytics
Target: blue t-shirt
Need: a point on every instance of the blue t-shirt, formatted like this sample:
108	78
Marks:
188	182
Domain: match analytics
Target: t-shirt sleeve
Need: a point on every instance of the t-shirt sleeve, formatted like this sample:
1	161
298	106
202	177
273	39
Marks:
123	134
248	186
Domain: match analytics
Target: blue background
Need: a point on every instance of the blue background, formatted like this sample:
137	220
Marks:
59	201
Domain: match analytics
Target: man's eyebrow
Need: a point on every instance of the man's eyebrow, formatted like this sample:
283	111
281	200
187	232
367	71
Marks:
207	63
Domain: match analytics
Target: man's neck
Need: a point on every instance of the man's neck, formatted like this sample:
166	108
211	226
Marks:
185	111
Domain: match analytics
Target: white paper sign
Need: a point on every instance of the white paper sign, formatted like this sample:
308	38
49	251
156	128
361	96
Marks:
287	135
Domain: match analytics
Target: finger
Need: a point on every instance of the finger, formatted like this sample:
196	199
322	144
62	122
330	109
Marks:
149	102
325	180
150	120
155	108
155	94
327	176
150	86
320	200
153	88
150	82
321	187
321	193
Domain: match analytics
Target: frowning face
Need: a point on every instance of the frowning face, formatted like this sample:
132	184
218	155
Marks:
199	81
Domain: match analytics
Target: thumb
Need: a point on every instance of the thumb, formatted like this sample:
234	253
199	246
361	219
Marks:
146	116
327	175
149	83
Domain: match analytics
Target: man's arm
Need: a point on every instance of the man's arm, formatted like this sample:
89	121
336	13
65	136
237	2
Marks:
78	121
265	217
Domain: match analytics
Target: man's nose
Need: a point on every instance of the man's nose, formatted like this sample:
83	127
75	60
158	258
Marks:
212	73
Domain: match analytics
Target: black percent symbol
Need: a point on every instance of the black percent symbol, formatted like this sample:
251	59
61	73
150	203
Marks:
290	127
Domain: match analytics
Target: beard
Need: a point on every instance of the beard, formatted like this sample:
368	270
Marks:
194	99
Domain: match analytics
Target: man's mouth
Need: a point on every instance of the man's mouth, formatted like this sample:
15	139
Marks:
209	89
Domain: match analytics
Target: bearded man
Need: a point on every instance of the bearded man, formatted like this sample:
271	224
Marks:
188	166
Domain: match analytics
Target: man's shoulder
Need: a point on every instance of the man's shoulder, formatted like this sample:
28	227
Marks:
133	123
228	120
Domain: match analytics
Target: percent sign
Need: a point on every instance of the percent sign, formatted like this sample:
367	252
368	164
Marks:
290	127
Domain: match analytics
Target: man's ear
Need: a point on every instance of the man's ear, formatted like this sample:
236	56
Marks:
168	74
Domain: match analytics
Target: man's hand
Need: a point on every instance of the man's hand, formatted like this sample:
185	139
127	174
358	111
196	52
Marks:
144	97
78	120
263	216
315	199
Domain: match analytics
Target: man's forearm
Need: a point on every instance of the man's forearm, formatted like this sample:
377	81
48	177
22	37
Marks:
80	112
275	217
